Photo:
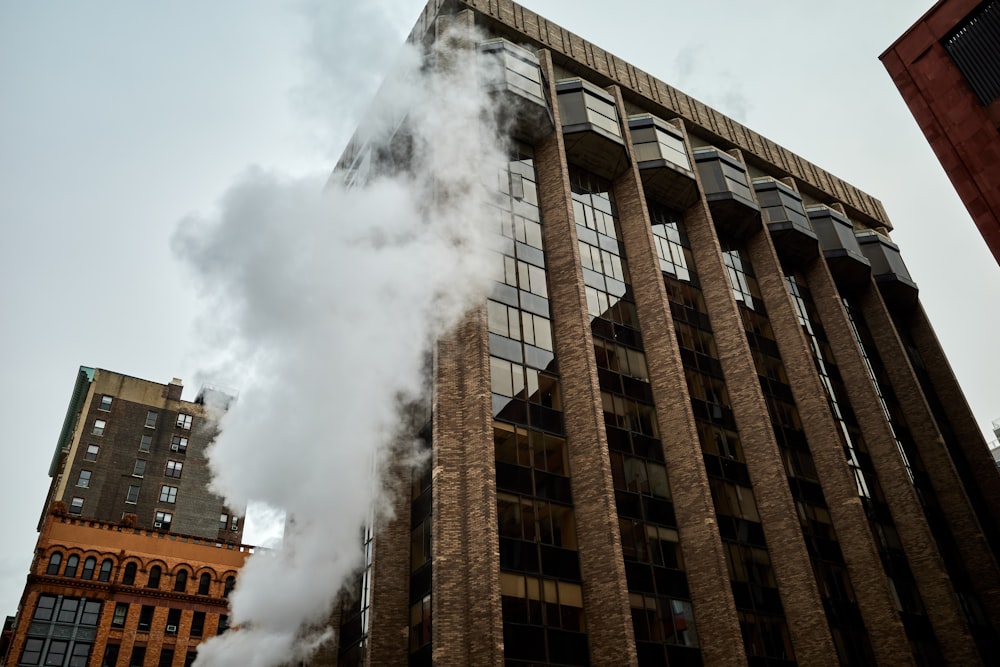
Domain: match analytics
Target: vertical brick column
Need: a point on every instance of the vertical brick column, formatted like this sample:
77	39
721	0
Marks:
885	630
605	592
718	625
792	568
918	543
969	539
388	625
977	460
465	591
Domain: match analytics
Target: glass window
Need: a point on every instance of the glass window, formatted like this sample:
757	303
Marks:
145	619
162	520
45	608
55	560
204	581
168	494
138	657
178	444
184	421
145	443
32	654
121	613
57	652
180	581
129	578
67	611
173	621
92	451
89	565
110	655
105	573
223	623
80	654
173	469
76	505
140	468
230	585
91	612
154	577
105	403
132	497
198	624
151	419
166	655
99	426
234	525
223	521
84	478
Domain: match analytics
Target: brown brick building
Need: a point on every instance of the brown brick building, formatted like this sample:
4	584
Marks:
702	419
135	556
131	446
102	593
947	68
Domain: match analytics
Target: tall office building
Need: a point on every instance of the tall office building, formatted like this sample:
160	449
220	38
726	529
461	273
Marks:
135	556
947	68
703	419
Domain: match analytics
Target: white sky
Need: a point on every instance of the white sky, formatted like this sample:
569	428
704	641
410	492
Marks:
118	119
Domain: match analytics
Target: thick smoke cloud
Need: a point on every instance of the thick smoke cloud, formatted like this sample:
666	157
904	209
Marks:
324	301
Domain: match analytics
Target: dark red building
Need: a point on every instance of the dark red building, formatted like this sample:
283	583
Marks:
947	68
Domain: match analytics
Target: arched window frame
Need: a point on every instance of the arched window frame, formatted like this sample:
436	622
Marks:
129	578
154	577
89	565
71	564
180	581
204	584
55	560
105	573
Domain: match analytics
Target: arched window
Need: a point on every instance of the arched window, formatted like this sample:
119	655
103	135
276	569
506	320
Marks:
55	560
129	578
154	577
204	581
89	566
71	564
105	573
230	585
181	581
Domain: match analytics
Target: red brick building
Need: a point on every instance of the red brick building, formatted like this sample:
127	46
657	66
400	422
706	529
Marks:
104	593
947	68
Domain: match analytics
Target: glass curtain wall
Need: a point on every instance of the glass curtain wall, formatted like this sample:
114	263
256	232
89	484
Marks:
761	615
662	615
542	597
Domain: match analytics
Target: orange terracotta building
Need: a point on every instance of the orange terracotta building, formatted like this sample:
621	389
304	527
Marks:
105	593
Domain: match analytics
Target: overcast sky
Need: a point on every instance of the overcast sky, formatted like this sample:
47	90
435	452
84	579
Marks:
119	119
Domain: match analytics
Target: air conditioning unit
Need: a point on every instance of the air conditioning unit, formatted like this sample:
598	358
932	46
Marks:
157	524
236	529
172	629
175	448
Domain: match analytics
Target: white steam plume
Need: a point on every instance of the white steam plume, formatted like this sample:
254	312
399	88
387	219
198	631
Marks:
327	301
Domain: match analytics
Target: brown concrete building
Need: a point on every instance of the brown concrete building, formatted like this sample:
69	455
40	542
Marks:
702	420
103	593
947	68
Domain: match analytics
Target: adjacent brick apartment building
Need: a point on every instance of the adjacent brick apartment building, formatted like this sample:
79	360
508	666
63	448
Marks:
135	556
703	420
947	68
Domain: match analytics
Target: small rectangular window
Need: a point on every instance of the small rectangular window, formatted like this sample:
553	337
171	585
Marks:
76	505
145	617
84	478
138	657
173	621
174	469
151	419
178	444
184	421
162	520
167	654
223	521
168	494
99	426
105	405
235	525
92	452
140	468
198	624
133	494
110	655
223	623
121	613
145	443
